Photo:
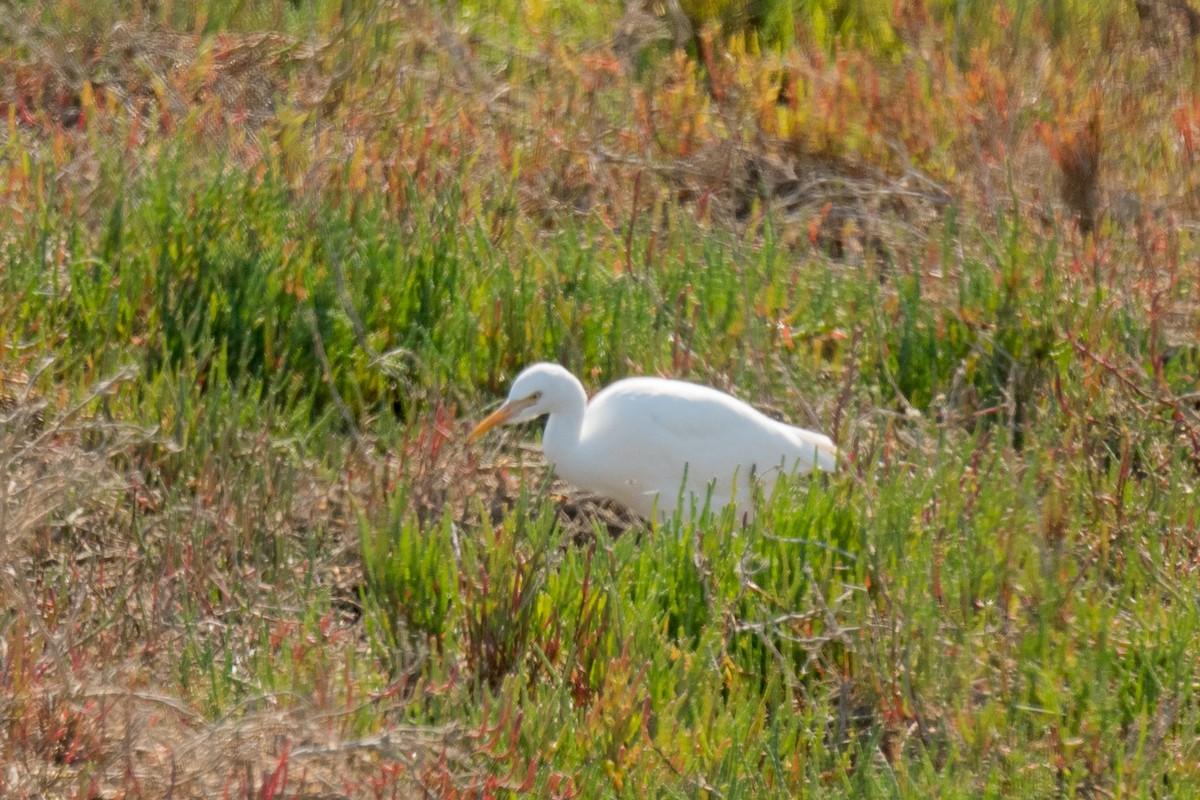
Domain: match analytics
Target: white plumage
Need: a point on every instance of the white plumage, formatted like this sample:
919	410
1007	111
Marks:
638	438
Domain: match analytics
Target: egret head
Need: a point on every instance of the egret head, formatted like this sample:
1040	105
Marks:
539	389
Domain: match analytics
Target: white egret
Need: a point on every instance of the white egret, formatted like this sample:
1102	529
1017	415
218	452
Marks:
639	439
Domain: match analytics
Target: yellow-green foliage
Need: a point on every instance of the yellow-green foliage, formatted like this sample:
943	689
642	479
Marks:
262	265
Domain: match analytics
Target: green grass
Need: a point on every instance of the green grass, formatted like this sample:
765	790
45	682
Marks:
252	297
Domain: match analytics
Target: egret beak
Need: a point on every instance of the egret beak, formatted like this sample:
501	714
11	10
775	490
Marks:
501	415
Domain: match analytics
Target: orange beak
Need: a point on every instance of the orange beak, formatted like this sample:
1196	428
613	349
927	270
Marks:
498	417
501	415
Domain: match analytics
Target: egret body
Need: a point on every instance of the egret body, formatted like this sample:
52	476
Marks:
639	439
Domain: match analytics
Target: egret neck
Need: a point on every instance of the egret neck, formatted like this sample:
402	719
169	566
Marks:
564	427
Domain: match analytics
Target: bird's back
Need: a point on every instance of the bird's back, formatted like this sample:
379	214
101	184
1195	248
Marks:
646	431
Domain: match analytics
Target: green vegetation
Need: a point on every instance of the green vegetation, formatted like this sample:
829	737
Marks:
262	265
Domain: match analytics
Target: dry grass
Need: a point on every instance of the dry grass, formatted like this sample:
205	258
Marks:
977	268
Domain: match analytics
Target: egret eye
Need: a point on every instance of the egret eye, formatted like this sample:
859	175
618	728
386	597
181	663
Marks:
535	396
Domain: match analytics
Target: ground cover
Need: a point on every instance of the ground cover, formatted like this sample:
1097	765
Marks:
263	265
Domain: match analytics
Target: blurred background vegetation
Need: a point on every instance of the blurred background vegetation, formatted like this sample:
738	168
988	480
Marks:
262	264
